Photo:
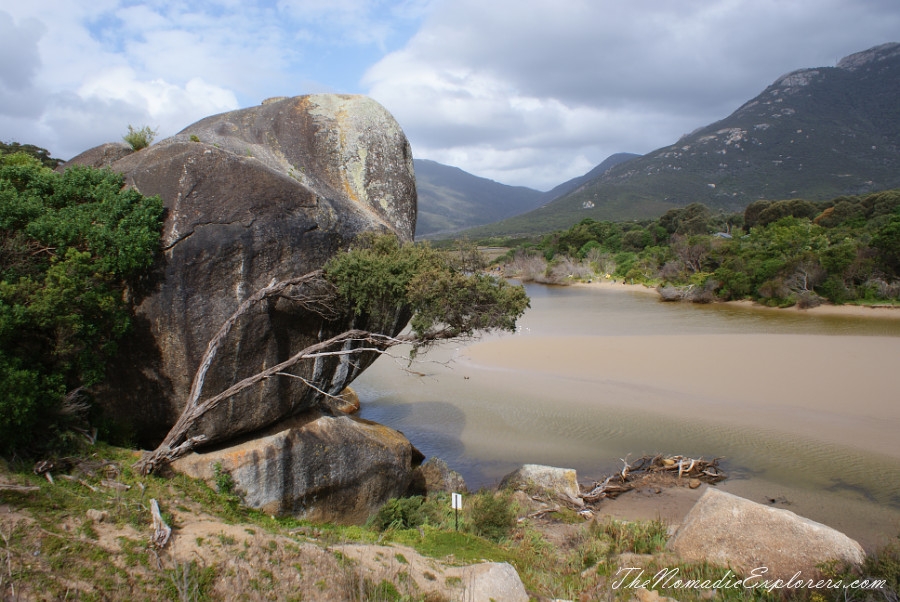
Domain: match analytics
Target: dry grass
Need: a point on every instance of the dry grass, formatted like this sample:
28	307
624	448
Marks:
52	547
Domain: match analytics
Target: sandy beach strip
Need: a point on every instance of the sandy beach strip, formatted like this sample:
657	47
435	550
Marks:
827	309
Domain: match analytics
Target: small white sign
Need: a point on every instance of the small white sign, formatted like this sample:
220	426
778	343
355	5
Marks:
456	501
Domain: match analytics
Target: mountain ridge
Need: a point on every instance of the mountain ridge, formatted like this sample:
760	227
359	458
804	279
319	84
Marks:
815	133
451	199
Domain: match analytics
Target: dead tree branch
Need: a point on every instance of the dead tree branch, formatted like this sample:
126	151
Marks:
176	443
632	475
161	531
476	308
274	288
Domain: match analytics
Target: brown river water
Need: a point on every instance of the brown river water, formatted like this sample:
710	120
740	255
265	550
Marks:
802	408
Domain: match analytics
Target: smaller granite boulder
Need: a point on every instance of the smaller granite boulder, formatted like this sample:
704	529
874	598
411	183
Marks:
100	156
731	531
435	476
559	483
323	468
494	581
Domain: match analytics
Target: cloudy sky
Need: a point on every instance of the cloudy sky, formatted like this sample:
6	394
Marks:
525	92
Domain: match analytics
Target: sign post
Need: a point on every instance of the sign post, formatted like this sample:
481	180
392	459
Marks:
456	504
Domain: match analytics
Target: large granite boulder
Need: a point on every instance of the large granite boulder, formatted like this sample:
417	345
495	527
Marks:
267	192
731	531
316	466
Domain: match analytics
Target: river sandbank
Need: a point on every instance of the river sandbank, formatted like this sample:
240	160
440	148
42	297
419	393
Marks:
827	309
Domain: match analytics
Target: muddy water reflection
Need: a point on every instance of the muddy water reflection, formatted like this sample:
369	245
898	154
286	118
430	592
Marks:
595	375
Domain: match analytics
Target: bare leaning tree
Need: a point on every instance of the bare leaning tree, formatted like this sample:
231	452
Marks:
378	277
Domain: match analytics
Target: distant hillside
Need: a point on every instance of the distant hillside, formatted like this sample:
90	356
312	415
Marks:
574	183
814	133
451	199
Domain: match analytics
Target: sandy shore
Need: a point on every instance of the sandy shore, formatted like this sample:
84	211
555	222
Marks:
864	311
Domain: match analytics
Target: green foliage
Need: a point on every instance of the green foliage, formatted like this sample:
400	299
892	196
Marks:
400	513
624	262
796	251
492	515
443	297
887	242
139	139
41	154
881	565
485	514
885	564
72	248
643	537
223	479
763	213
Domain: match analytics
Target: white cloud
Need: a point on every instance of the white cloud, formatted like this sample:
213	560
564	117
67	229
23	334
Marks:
524	91
159	101
74	74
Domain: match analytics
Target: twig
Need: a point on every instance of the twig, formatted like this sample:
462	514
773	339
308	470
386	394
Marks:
18	488
540	513
88	485
12	586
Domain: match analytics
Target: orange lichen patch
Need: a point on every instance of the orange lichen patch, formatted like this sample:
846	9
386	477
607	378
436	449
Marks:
348	188
237	456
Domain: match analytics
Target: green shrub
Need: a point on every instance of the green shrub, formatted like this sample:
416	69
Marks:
492	516
885	564
224	480
882	565
380	275
400	513
141	138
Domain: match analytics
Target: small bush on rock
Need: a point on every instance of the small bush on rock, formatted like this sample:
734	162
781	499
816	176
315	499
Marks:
141	138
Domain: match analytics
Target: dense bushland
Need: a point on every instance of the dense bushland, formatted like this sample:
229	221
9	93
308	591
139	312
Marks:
73	247
777	252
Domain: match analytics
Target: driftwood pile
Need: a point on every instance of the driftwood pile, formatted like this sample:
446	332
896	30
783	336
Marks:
638	472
